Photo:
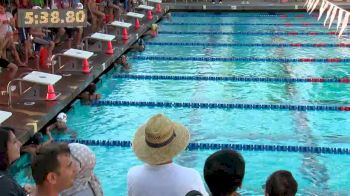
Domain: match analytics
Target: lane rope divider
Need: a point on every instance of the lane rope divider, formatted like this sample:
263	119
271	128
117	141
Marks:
243	59
221	105
239	24
231	78
288	33
316	45
223	15
217	146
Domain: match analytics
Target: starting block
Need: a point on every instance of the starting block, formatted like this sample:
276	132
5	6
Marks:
148	11
82	55
4	116
103	37
124	26
137	17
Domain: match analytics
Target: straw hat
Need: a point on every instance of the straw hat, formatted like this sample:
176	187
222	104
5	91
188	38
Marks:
159	140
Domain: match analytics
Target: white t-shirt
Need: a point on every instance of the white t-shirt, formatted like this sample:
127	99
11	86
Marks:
163	180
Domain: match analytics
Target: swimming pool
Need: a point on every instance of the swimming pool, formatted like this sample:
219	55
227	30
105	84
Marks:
317	174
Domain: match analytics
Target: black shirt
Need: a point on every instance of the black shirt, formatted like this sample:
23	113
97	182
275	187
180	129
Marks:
9	187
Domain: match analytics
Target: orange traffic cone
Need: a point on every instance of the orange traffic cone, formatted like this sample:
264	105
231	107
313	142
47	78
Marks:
109	48
86	66
137	24
51	95
149	15
43	55
125	35
158	8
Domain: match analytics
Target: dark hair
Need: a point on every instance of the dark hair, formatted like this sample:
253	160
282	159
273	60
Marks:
4	138
281	183
46	160
194	193
36	139
224	172
91	88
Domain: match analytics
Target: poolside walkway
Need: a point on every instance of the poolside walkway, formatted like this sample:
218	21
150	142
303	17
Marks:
30	115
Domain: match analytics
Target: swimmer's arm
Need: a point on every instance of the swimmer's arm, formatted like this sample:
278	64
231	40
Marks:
51	127
48	133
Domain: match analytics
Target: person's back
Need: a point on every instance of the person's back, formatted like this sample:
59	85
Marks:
156	143
159	180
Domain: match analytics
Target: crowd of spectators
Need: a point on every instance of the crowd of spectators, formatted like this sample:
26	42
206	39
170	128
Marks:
67	169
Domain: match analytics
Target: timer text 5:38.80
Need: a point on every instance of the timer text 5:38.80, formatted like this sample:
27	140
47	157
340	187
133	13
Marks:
52	18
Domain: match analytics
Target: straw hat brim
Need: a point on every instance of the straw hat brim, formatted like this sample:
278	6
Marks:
155	156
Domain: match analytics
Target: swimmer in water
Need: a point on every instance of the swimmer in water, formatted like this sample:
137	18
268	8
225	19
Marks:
123	61
89	95
153	32
61	125
139	46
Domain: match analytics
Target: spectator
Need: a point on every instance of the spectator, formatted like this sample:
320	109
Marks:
41	39
97	16
7	24
156	143
9	152
86	183
281	183
89	94
53	169
224	172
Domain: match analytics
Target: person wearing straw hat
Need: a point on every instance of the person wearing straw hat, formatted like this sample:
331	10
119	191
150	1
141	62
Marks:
156	143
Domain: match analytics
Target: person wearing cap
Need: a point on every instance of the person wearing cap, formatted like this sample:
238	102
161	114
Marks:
156	143
224	172
61	125
281	183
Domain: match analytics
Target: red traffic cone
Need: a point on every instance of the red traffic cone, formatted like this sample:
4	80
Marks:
158	8
137	24
125	35
51	95
109	48
43	55
149	15
86	66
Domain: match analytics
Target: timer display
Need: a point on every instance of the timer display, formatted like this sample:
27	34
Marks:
52	18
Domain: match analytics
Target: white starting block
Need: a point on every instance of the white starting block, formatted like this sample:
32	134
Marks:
145	7
42	78
137	17
79	54
148	10
125	26
155	1
121	24
4	116
102	37
37	77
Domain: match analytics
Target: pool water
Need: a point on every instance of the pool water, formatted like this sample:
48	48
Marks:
316	174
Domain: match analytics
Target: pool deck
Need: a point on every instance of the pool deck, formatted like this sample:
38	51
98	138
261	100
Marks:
27	119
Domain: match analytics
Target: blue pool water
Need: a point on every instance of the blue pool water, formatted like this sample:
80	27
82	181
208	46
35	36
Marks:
316	174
